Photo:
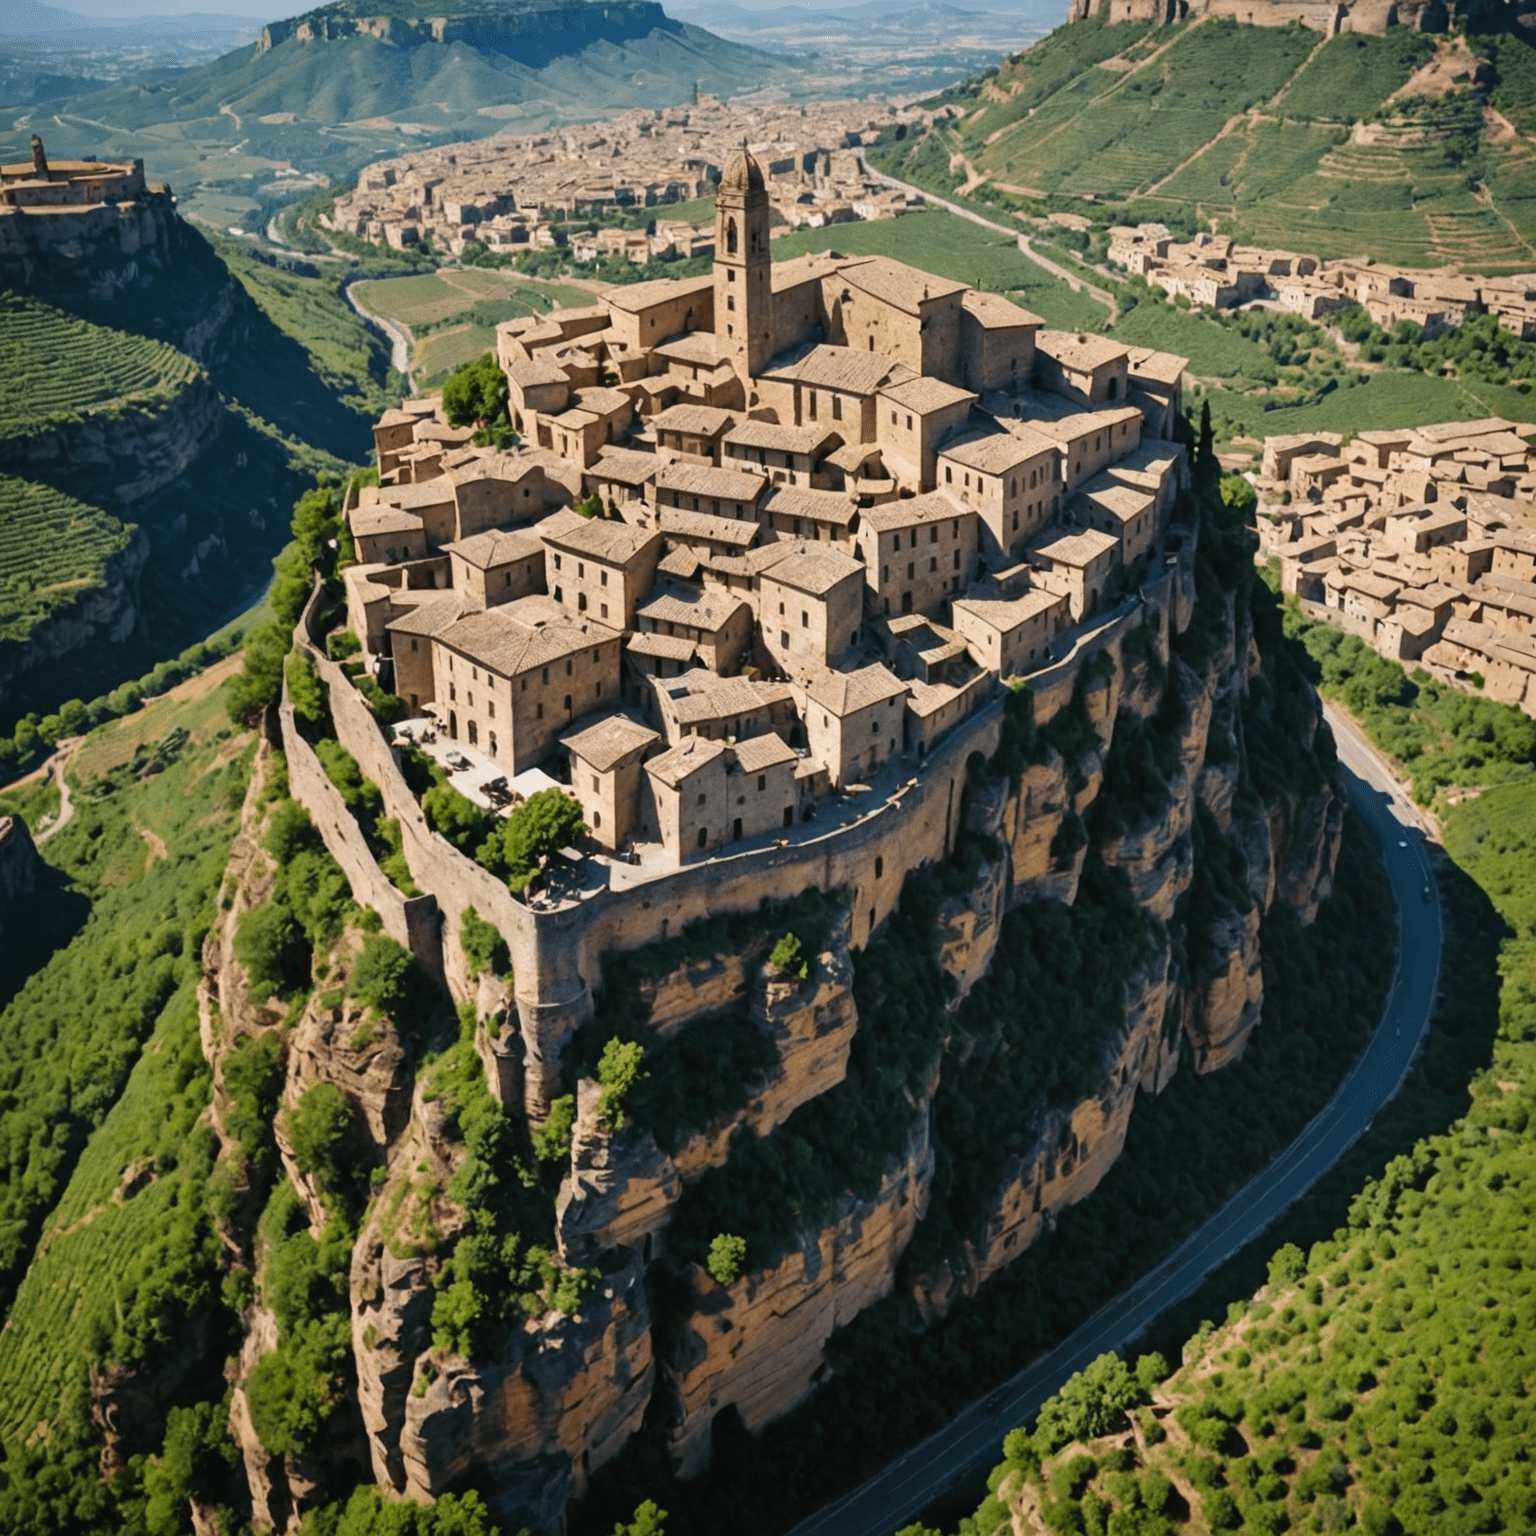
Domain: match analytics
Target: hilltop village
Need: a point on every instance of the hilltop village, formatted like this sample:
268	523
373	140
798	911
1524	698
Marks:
1421	541
1213	272
769	535
507	192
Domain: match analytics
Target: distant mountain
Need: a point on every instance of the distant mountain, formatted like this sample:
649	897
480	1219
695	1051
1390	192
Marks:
319	90
31	18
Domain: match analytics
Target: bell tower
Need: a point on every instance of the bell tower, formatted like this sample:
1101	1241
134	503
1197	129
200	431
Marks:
743	270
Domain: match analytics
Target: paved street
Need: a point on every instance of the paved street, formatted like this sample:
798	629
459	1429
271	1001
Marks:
971	1443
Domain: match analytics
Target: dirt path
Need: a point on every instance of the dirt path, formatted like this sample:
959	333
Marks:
1075	283
56	766
400	338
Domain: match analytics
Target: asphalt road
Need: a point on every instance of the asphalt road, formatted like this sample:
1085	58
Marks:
971	1443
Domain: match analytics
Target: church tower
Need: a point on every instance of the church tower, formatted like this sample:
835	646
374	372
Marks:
743	268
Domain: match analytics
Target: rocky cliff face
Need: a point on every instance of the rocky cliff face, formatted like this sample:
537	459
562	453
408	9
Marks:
1145	785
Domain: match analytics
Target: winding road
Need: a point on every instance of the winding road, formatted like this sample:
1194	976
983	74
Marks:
970	1445
399	337
1071	279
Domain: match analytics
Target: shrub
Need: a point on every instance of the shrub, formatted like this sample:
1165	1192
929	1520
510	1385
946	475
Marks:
305	691
455	816
618	1070
788	958
475	394
483	946
316	1128
294	1387
541	824
552	1140
266	945
727	1258
380	974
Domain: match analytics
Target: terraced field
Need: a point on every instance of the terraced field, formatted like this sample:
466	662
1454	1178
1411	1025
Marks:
57	368
1298	141
437	296
53	549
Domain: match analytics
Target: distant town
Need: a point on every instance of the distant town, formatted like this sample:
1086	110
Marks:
508	193
1214	272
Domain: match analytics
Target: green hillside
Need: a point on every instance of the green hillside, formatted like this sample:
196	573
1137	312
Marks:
1286	137
54	550
57	368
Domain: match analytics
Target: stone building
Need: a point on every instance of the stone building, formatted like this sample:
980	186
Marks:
839	499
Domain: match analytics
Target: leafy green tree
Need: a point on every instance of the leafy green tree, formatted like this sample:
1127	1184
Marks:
552	1140
1288	1265
475	393
305	691
541	824
483	946
1089	1404
260	680
727	1258
649	1521
316	1128
380	974
267	947
455	816
618	1070
295	1387
788	957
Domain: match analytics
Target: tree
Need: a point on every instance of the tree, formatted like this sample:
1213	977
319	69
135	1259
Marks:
552	1140
305	691
315	1128
266	944
648	1521
541	824
475	394
1288	1265
788	957
727	1258
260	681
618	1070
1205	449
1088	1404
380	973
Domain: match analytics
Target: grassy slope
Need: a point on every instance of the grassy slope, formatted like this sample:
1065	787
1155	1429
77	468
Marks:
1253	125
99	979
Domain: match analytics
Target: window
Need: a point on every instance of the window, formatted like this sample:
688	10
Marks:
879	867
933	562
1015	519
452	694
911	570
805	619
872	348
602	579
413	645
703	838
784	639
490	708
702	799
837	407
781	608
909	423
874	727
730	302
557	562
538	713
603	608
567	703
957	559
581	607
506	578
567	666
933	534
762	781
594	781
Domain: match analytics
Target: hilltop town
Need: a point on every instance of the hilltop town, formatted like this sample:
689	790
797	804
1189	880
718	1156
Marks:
769	535
507	192
1420	541
1214	272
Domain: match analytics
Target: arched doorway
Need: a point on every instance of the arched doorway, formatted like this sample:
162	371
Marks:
453	723
474	734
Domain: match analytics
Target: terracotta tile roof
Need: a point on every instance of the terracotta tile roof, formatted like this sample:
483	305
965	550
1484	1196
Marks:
769	434
926	395
897	284
815	568
708	610
844	693
995	313
605	744
760	752
698	420
819	506
735	532
839	368
731	485
1078	549
912	512
599	538
519	636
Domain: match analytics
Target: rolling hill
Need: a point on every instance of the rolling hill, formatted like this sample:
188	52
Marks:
1420	150
327	91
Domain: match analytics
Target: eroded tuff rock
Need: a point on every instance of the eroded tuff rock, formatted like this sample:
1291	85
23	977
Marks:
758	1345
1074	1145
561	1399
1225	1007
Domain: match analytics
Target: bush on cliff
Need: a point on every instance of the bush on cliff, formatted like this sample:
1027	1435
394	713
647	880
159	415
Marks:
368	1513
306	692
269	947
618	1070
381	975
483	946
475	393
317	1128
727	1258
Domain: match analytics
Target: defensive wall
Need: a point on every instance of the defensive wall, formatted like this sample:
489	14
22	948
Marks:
557	951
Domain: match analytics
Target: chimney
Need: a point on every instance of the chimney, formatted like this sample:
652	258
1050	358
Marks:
39	158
